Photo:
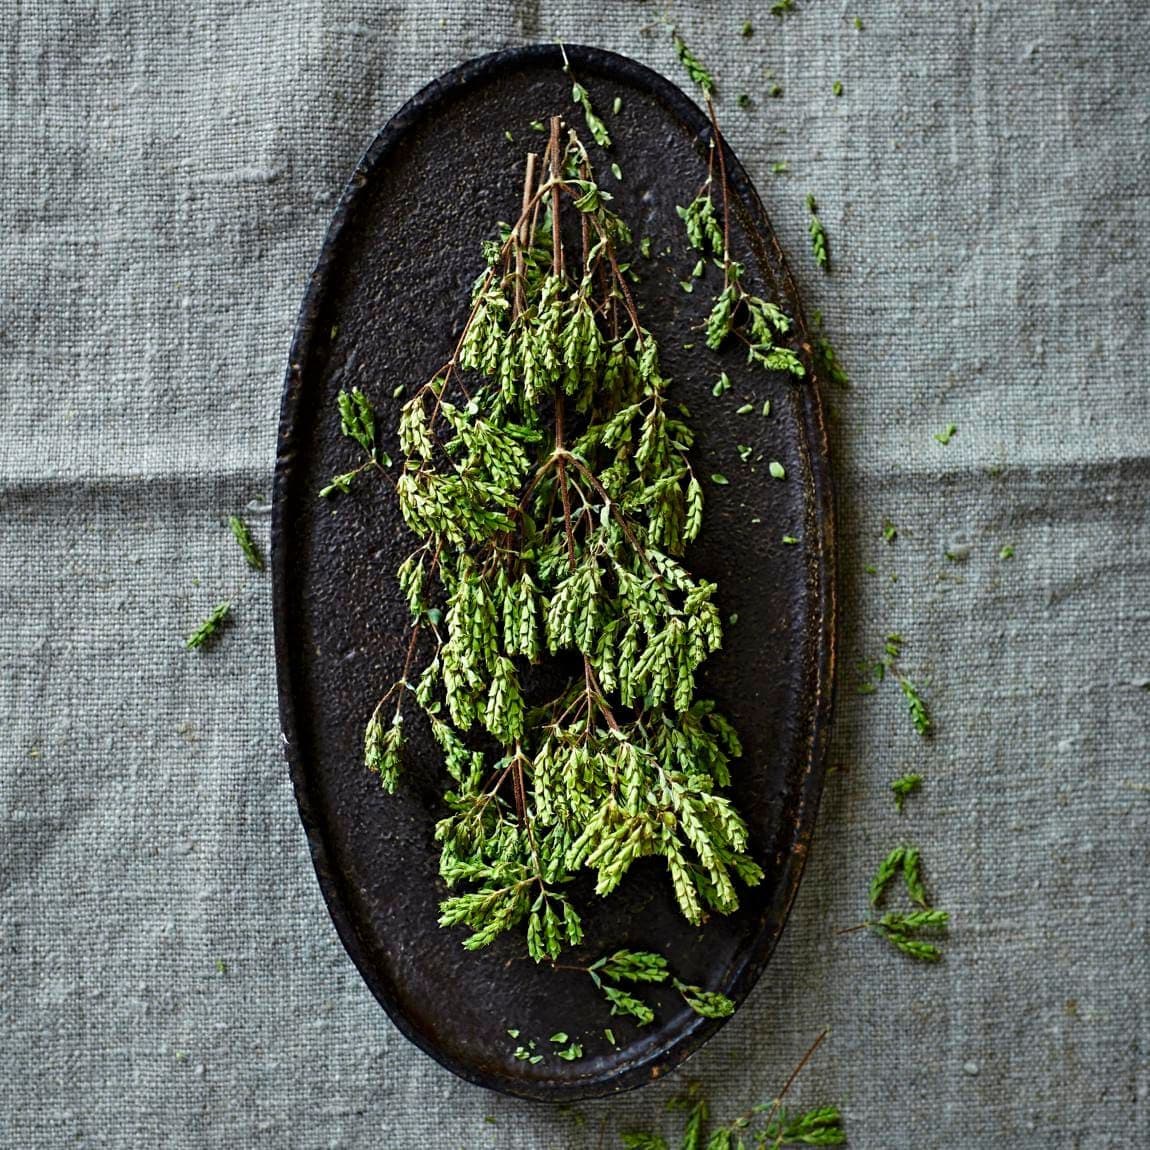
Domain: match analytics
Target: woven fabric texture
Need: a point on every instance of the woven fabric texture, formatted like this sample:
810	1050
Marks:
169	975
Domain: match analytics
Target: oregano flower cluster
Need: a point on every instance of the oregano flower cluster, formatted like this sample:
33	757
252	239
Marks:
556	634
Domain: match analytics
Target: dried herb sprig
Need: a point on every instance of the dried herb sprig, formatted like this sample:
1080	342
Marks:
357	422
552	494
892	650
737	312
243	537
612	971
818	235
903	787
902	930
582	97
765	1126
691	62
210	627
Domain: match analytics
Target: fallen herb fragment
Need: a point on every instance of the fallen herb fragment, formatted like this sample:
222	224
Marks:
210	626
901	929
722	385
946	435
837	88
743	100
719	479
818	235
707	1003
781	7
889	531
765	1126
646	967
690	61
776	469
916	706
789	539
826	356
617	105
903	787
748	30
247	544
581	97
745	409
1007	552
575	1050
888	870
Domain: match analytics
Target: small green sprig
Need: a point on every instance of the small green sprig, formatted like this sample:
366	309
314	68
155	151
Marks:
902	930
765	1126
916	706
210	627
892	651
582	98
243	537
781	7
357	423
699	75
903	787
818	235
946	434
736	312
646	967
827	358
707	1003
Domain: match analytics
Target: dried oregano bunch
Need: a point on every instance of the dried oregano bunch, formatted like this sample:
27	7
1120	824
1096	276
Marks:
546	476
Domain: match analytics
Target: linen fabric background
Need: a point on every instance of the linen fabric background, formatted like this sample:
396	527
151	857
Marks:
169	973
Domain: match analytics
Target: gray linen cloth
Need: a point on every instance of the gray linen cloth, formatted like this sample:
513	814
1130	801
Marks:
169	973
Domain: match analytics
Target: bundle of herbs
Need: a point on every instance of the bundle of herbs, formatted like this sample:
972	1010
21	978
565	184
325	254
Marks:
556	633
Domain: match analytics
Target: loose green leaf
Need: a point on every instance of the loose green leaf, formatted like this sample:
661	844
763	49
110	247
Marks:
210	627
903	787
818	235
695	69
888	870
243	537
708	1003
916	706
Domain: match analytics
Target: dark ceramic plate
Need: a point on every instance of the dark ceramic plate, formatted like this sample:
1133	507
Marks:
388	296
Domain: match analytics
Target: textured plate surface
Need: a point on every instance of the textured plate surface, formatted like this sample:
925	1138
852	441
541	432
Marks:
386	302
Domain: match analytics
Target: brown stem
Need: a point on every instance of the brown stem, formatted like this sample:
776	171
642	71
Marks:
794	1074
561	467
626	527
593	687
556	175
521	233
717	136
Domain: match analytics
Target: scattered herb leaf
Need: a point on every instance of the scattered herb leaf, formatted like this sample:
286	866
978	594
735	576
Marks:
210	626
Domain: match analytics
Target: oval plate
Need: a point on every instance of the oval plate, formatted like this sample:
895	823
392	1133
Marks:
388	296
